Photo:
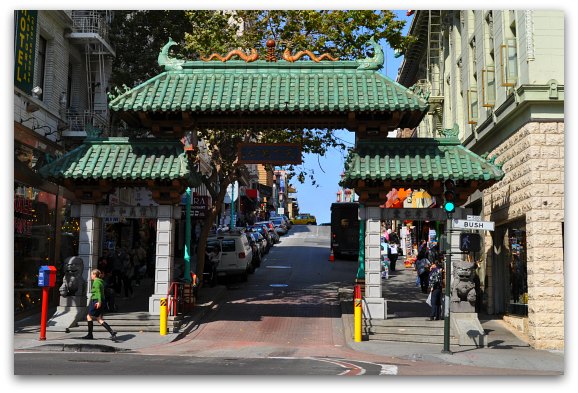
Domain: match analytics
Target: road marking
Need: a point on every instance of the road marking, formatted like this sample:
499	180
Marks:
351	368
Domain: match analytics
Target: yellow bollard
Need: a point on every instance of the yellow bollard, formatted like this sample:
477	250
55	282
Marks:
357	320
163	329
357	312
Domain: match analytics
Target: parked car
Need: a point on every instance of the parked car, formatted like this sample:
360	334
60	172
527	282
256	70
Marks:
261	242
279	224
263	230
236	255
287	222
304	219
270	229
256	260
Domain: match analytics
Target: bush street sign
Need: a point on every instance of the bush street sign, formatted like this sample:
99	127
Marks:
469	224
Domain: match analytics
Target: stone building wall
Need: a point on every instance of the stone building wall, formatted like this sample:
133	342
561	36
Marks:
533	189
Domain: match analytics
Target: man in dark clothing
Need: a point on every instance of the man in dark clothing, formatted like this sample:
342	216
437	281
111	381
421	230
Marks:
422	267
435	285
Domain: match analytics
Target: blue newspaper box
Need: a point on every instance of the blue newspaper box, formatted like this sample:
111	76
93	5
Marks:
47	276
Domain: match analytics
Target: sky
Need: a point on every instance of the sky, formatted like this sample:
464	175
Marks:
317	199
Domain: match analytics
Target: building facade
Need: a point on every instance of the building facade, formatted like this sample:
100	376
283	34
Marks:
498	75
61	65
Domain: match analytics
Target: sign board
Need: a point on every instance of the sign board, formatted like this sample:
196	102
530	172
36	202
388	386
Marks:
269	153
280	211
468	224
26	30
473	218
199	206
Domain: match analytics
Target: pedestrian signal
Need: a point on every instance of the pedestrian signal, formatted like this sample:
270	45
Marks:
470	242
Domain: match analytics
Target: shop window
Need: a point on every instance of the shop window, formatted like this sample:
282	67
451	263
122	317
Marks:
517	258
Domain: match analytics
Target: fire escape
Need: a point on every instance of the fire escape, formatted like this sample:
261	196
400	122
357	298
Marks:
423	67
90	33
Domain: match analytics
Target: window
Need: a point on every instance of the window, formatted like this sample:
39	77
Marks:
508	62
488	87
489	72
473	105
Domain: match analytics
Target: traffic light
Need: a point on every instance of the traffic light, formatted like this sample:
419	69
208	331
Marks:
470	242
449	197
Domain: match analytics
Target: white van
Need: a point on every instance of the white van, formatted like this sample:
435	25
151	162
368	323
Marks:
236	255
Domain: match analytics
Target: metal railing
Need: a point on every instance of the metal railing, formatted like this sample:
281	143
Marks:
77	121
181	298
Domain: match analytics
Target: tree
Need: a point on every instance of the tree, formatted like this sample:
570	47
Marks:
342	33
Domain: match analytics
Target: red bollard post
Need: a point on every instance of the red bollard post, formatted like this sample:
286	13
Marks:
44	314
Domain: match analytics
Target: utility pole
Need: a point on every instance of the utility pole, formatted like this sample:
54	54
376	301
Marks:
447	297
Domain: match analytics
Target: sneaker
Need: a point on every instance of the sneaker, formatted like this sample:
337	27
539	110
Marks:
429	319
113	336
87	337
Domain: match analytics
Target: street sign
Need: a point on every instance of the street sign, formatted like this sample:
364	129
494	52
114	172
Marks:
473	218
471	224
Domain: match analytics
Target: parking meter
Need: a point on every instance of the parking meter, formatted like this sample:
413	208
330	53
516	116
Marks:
47	276
46	280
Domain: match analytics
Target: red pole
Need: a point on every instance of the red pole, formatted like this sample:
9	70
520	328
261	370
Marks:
44	314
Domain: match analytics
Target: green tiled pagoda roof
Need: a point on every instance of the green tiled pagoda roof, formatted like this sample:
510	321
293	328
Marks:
413	159
261	86
122	159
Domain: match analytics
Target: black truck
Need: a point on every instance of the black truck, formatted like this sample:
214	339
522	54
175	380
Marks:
345	229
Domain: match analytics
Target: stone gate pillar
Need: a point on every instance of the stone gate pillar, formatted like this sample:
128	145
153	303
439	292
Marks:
89	242
164	259
72	309
375	306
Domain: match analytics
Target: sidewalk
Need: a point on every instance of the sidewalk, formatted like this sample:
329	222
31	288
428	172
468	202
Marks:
27	332
504	348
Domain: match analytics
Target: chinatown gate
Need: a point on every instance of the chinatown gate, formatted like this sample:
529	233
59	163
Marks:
264	94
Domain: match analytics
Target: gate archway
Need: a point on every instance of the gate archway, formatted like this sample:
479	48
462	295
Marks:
262	95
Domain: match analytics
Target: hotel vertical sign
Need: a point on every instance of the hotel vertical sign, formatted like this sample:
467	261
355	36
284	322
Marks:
25	31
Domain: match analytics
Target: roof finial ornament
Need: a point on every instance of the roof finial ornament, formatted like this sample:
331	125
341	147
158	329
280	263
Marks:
92	132
375	62
451	132
170	64
270	44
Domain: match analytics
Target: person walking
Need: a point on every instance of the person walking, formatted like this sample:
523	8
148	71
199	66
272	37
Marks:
435	287
392	249
422	267
96	307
